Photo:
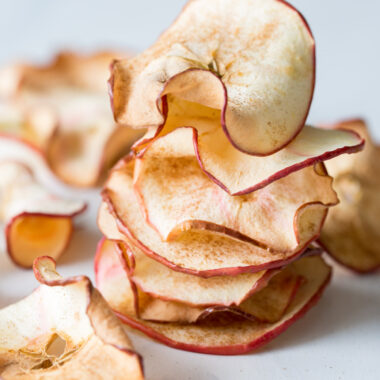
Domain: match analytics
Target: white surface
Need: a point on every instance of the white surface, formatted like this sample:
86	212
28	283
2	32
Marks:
340	338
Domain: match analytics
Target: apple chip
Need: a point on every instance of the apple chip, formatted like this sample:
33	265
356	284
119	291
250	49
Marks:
33	127
352	230
163	294
237	172
161	282
168	301
63	111
272	218
217	331
254	61
64	330
206	252
36	222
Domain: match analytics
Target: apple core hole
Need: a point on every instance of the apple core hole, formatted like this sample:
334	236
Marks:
56	347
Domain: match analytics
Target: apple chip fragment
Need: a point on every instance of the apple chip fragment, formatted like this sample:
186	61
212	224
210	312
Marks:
352	230
64	330
62	111
235	330
36	222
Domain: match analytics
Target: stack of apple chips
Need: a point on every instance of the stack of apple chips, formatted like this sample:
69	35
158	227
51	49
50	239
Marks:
209	224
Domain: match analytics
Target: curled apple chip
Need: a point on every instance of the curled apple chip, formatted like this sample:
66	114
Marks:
272	218
254	61
234	171
36	222
206	252
217	331
62	110
163	294
87	72
352	230
64	330
33	127
161	282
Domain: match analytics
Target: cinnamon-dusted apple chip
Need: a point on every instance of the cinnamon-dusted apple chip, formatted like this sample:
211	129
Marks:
252	60
272	217
36	222
161	282
64	330
63	111
163	294
214	331
352	230
207	252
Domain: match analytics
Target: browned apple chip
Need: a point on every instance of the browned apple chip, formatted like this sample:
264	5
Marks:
215	331
36	222
63	111
64	330
352	230
206	252
273	217
252	60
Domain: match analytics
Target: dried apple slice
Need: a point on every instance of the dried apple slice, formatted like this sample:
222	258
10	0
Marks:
82	161
352	230
36	222
87	141
64	330
63	111
161	282
236	172
228	335
34	127
168	300
270	218
256	308
88	72
200	252
252	60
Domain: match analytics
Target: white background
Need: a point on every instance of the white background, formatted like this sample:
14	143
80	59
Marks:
339	339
